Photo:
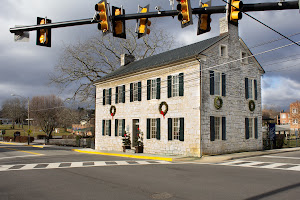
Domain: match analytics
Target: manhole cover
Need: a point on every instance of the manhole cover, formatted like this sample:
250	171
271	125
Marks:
163	195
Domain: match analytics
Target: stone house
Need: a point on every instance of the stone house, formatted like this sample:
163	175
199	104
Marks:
204	98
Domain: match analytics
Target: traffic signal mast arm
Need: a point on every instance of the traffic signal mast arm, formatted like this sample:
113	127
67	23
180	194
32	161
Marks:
206	10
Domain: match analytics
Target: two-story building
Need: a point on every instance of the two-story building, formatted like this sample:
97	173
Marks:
295	115
204	98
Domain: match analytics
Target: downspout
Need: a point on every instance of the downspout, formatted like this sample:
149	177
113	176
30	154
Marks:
200	106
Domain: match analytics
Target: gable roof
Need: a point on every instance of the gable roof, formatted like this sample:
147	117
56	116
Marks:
164	58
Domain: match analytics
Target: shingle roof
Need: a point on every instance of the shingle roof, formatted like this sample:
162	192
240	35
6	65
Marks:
164	58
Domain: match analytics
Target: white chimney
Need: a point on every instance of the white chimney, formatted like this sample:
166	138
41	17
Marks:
126	59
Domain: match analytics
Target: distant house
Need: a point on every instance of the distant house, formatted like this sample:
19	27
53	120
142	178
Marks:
204	98
85	128
284	118
295	115
5	121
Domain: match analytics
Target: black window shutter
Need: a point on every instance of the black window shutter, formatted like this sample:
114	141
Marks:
158	128
140	91
148	89
148	128
103	127
256	128
123	93
212	128
181	131
109	92
255	89
223	128
131	92
158	88
212	83
246	89
109	127
117	95
169	86
103	96
223	85
170	126
181	85
247	128
123	127
116	127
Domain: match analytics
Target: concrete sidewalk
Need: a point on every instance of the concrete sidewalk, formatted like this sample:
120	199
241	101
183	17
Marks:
204	159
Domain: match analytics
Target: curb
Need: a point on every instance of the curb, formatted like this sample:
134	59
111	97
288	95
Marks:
124	155
22	144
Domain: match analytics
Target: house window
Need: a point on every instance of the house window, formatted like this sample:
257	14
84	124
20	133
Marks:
294	111
153	128
217	128
217	83
295	121
106	127
135	91
120	94
175	85
176	129
283	116
153	92
251	128
223	51
107	96
244	57
120	128
251	88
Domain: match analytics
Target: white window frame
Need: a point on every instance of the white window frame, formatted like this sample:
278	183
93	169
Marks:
153	89
294	110
244	57
176	128
120	94
120	128
153	128
283	116
223	51
106	96
175	85
295	121
251	91
218	128
218	83
251	128
106	128
135	91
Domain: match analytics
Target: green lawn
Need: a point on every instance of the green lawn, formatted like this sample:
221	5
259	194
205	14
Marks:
35	130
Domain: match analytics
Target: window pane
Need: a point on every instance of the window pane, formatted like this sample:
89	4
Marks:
120	90
175	86
251	121
217	79
250	88
120	127
107	96
153	128
135	91
106	127
153	89
217	127
176	128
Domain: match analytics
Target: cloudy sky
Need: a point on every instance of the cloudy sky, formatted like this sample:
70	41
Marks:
25	67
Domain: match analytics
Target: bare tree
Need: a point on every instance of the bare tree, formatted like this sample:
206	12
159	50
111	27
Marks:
45	110
82	64
68	116
14	109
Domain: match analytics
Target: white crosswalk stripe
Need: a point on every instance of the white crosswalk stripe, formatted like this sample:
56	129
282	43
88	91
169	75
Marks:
263	165
78	164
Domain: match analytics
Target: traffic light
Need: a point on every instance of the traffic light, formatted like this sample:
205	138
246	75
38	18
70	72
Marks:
102	16
204	21
144	23
43	36
234	12
119	29
185	12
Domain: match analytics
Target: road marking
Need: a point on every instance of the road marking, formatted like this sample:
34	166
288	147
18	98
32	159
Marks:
78	164
18	156
283	157
21	151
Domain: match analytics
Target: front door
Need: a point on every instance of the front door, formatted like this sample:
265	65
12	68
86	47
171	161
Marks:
135	131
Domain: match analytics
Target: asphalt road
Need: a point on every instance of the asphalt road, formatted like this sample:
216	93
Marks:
28	173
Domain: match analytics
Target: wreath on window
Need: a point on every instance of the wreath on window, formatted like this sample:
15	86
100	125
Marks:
218	102
112	110
251	105
165	110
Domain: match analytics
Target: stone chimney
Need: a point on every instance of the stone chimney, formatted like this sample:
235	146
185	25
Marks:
223	25
126	59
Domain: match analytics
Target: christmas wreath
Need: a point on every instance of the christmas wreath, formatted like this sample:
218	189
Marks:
218	102
160	108
112	110
251	105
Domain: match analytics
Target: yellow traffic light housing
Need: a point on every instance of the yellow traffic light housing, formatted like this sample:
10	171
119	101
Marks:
204	21
43	36
234	13
144	23
185	12
102	16
119	28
